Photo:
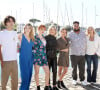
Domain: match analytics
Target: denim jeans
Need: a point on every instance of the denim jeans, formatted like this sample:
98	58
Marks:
92	74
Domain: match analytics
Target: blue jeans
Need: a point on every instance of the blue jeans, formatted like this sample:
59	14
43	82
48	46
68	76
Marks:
92	74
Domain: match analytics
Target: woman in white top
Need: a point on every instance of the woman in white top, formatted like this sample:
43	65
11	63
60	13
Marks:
92	53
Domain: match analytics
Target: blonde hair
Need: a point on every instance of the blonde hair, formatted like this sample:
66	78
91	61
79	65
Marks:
50	27
87	32
63	28
31	34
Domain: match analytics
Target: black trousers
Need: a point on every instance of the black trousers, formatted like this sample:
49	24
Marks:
52	62
78	61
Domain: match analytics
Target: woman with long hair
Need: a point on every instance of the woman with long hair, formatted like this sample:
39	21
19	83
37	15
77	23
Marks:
92	53
26	58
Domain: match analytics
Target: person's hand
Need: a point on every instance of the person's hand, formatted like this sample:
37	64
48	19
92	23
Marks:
95	54
65	50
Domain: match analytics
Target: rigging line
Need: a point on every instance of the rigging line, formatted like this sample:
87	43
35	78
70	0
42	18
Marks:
43	11
57	10
67	12
62	17
72	18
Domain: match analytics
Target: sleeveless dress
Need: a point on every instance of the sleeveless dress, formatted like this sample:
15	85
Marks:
39	50
26	62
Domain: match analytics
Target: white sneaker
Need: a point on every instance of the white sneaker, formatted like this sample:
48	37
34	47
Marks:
84	83
88	83
93	82
74	82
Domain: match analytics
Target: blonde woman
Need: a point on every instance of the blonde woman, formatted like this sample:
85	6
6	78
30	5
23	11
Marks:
63	59
92	53
26	58
51	51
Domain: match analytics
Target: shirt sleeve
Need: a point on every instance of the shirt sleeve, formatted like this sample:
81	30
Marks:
98	50
70	36
70	39
16	37
0	39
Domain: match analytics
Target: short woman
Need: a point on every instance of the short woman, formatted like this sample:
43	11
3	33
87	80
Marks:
40	58
63	59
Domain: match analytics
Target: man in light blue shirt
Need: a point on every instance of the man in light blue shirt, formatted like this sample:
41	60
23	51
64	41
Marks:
77	52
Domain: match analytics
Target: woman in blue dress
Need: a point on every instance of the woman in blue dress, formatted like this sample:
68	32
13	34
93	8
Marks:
26	58
40	59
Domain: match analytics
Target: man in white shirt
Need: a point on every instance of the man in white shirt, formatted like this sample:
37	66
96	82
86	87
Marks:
77	53
8	54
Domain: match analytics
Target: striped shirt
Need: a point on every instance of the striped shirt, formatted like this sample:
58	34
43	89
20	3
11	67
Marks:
78	43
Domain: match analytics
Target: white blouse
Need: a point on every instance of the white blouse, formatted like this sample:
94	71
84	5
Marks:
91	50
93	47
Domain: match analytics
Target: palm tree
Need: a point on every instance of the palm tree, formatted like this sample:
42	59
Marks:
34	21
2	26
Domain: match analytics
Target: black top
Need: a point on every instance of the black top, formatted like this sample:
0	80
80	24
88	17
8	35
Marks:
51	46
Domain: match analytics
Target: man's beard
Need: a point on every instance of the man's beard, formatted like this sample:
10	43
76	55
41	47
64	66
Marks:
76	30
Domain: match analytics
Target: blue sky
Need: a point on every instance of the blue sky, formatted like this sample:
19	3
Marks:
23	11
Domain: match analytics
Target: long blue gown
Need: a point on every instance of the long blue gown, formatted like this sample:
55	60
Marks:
26	63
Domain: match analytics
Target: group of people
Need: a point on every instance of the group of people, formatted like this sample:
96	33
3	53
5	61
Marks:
48	52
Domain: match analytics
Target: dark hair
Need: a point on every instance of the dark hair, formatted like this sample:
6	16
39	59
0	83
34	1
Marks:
7	19
75	22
